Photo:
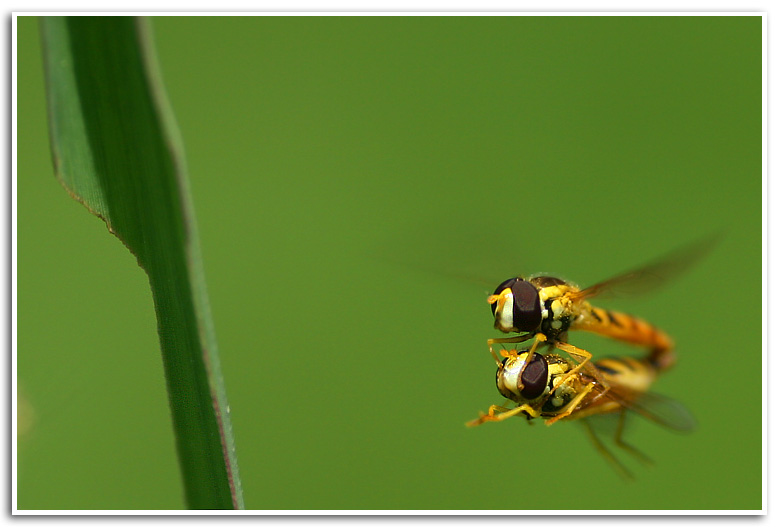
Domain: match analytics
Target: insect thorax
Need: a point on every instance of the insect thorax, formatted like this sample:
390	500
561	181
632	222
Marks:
557	308
556	319
561	397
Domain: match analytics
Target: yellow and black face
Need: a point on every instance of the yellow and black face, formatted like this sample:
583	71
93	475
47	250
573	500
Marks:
516	306
520	382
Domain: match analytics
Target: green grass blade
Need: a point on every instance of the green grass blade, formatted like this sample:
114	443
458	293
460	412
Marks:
116	150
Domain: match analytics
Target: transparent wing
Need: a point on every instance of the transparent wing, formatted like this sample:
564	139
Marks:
653	275
660	409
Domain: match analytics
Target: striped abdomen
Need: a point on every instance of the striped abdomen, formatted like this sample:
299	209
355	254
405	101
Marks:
628	329
635	375
631	377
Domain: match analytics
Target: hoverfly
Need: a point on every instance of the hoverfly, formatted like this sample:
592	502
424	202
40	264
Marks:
553	388
546	307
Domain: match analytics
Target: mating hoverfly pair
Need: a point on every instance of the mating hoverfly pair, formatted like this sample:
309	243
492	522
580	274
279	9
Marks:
545	383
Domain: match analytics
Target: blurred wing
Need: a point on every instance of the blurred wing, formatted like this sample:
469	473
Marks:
653	275
662	410
442	271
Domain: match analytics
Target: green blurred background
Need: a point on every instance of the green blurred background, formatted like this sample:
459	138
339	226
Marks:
350	175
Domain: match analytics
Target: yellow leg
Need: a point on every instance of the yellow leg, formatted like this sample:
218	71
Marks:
625	446
539	338
578	354
619	468
582	358
506	340
504	414
571	406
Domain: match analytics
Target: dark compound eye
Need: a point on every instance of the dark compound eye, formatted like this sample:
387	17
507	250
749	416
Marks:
534	377
527	309
506	283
